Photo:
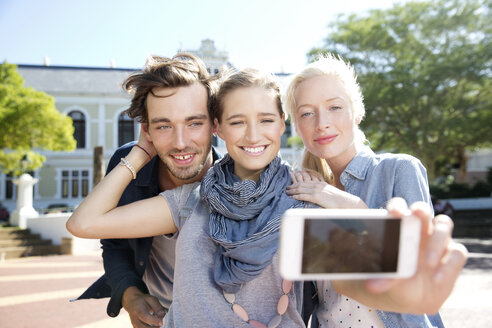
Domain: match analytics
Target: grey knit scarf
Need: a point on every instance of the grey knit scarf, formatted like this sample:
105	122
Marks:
245	219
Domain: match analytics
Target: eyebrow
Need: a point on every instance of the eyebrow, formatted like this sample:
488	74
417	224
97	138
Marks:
327	100
187	119
241	115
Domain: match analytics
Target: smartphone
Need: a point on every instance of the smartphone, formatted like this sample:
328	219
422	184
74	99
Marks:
336	244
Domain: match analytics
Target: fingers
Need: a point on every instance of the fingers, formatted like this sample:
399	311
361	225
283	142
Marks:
300	176
451	264
397	206
305	176
144	310
156	307
439	239
149	318
293	177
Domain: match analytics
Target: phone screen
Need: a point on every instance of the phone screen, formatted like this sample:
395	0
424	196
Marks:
350	245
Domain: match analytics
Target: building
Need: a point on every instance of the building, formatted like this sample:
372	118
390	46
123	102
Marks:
215	60
95	100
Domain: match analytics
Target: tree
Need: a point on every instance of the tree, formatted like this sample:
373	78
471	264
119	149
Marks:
29	122
425	71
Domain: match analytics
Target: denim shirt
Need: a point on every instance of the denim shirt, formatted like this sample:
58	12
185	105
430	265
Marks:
376	178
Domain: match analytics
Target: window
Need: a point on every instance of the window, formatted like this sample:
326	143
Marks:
11	187
74	183
78	119
126	129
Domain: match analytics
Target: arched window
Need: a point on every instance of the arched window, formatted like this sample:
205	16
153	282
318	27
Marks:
126	129
78	119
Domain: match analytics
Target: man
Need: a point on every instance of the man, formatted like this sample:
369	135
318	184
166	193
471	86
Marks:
171	98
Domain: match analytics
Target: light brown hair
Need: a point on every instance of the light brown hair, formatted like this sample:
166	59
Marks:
247	78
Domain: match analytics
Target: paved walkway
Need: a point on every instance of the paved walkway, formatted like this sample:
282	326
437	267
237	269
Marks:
35	292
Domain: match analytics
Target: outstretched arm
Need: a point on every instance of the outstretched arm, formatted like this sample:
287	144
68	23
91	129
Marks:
99	217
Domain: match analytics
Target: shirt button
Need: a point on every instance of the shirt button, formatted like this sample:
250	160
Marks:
141	263
112	314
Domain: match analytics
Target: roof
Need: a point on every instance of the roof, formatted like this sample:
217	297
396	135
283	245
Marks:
61	80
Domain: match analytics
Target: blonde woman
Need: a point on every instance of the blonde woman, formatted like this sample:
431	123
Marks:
327	107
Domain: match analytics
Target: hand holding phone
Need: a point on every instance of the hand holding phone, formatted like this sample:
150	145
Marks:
336	244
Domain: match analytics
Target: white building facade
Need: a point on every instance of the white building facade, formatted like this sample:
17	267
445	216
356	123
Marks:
95	100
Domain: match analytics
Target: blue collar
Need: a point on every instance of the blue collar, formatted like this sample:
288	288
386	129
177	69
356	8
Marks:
359	165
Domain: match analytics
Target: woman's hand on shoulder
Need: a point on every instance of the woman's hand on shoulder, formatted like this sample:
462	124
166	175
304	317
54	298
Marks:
309	186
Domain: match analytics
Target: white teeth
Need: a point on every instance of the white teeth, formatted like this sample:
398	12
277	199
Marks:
254	149
182	157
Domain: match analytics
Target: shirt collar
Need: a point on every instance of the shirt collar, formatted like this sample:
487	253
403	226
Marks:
359	165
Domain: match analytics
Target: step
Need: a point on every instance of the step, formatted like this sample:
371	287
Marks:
13	232
12	237
22	251
23	242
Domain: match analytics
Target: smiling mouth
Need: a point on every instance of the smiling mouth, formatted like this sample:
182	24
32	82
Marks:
254	150
182	158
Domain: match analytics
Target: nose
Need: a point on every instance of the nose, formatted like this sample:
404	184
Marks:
322	119
252	133
180	140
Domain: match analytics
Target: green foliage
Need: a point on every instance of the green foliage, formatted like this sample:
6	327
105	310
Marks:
295	141
425	69
461	190
29	121
452	189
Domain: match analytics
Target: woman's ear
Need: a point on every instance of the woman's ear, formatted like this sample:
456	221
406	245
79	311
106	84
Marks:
358	119
217	129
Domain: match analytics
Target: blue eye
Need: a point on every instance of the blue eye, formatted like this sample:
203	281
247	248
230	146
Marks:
335	108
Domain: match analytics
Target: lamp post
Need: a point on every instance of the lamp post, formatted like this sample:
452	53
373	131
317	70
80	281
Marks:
24	208
24	163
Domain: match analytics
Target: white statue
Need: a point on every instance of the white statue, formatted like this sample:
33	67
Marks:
24	208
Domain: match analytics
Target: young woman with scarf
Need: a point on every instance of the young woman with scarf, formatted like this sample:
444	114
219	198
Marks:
327	106
226	272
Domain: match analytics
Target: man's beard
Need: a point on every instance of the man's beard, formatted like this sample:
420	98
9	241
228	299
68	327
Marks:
188	172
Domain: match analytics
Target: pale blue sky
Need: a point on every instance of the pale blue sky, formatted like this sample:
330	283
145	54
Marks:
272	35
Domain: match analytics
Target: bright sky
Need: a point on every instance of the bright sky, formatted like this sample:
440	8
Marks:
272	35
